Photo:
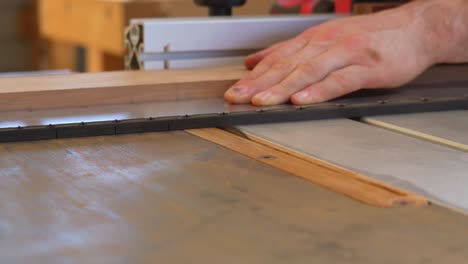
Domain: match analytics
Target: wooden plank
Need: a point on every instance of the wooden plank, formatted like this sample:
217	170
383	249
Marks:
154	197
445	128
423	168
94	60
86	22
115	87
334	178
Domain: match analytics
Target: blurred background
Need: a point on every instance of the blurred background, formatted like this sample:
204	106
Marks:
88	35
82	35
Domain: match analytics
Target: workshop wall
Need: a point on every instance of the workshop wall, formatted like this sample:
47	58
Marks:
14	50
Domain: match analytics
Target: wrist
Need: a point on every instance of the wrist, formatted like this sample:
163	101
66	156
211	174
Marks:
445	29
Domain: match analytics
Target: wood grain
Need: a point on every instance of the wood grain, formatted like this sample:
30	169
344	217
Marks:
334	178
43	92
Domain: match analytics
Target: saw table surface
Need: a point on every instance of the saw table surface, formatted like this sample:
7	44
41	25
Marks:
432	170
174	198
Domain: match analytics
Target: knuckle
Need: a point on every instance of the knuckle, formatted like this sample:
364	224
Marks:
280	89
309	69
272	58
282	66
298	42
330	32
342	83
318	44
355	41
340	80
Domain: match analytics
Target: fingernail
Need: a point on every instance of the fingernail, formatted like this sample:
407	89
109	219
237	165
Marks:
239	90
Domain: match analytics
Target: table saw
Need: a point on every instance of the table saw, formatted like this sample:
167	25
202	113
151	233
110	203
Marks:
153	166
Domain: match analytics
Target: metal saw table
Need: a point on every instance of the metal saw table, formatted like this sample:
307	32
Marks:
174	198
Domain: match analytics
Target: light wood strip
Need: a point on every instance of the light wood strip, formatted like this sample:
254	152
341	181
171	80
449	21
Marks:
75	90
334	178
416	134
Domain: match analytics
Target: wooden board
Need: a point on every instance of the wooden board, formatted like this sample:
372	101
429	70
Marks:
87	22
429	170
43	92
331	177
445	128
173	197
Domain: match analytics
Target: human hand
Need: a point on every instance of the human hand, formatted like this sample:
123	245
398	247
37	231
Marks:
380	50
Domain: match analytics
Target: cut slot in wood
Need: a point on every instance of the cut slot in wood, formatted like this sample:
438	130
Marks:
334	178
416	134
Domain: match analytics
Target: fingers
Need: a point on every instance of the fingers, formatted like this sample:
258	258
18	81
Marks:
281	69
244	90
336	84
252	60
290	48
240	93
262	61
307	73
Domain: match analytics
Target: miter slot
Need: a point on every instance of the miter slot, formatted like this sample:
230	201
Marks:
197	121
142	125
105	128
28	133
261	116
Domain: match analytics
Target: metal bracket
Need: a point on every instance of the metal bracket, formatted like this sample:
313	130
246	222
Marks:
197	42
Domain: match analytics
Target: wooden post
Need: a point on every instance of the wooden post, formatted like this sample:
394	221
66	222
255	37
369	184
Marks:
94	59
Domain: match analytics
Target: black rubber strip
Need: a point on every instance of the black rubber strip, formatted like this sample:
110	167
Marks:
286	114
